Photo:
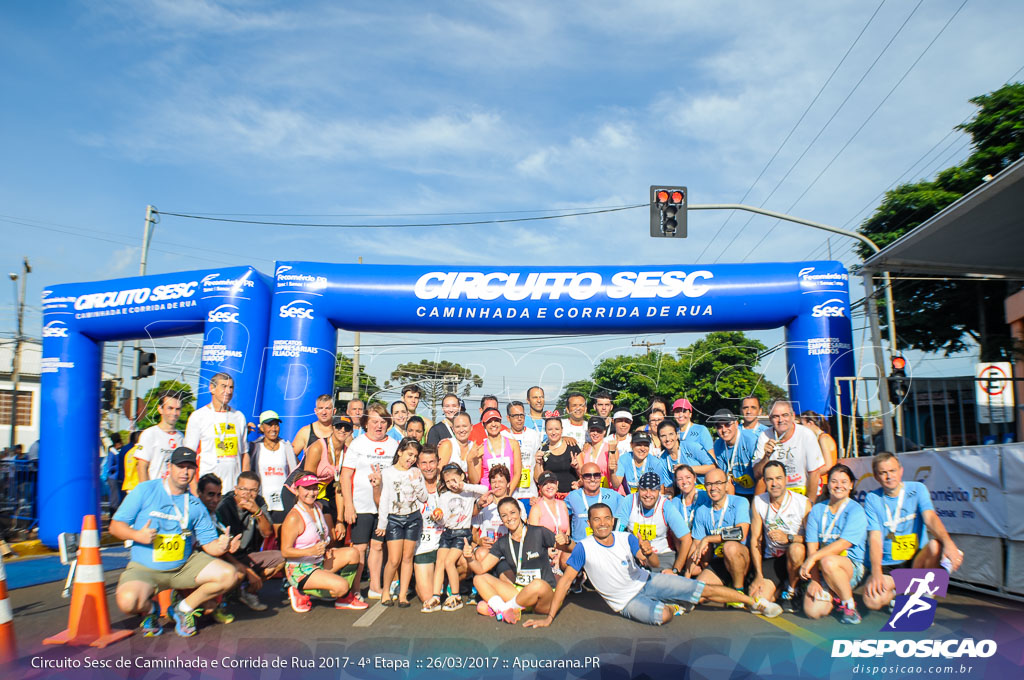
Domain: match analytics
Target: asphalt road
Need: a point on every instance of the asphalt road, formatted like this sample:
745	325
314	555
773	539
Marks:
712	642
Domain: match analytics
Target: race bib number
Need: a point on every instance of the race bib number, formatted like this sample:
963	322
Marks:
645	532
168	548
525	478
802	490
526	576
746	481
904	547
226	441
590	531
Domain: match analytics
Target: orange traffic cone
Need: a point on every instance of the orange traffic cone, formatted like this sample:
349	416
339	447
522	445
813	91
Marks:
8	650
88	621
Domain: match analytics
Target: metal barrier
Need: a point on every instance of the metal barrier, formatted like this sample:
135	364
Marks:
18	484
936	413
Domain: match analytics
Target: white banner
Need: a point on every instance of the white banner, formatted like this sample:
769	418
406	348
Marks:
965	486
1013	483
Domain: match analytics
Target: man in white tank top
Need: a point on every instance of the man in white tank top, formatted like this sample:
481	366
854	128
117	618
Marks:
777	538
272	459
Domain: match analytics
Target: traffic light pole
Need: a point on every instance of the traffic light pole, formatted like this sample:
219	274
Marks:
147	233
869	296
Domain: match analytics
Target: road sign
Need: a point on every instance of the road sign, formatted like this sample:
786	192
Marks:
994	392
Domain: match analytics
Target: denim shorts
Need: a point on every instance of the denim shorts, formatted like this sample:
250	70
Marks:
404	527
648	605
454	538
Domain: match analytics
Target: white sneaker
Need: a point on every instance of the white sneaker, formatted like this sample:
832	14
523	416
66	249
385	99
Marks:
372	595
251	601
767	609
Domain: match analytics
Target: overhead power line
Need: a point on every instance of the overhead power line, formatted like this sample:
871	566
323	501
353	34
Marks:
406	226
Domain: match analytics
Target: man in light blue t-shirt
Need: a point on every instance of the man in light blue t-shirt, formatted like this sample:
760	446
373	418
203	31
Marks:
163	521
720	530
900	518
592	493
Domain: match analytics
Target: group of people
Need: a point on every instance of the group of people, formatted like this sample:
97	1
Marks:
514	512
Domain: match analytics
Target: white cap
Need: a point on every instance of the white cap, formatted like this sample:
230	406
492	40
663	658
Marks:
622	415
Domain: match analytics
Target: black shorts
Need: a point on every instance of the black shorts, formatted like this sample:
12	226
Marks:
717	565
900	565
362	531
776	570
455	538
404	527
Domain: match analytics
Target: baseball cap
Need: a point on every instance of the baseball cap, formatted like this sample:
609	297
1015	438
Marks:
546	477
622	415
723	415
649	480
184	456
641	437
268	416
491	414
596	423
683	404
343	421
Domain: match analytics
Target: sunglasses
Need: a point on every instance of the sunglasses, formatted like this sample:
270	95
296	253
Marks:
591	475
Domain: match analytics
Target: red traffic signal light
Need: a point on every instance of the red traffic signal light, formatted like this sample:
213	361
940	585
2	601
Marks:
898	363
668	212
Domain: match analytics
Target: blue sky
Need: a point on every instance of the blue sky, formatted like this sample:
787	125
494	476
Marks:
376	109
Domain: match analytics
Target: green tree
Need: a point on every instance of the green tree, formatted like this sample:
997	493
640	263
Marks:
368	386
715	372
435	378
182	391
968	310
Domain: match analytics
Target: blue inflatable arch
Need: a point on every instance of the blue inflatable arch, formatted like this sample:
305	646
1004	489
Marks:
228	305
312	300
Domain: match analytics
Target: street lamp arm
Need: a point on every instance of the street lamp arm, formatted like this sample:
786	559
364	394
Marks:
789	218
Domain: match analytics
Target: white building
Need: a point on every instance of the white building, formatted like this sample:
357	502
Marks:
27	431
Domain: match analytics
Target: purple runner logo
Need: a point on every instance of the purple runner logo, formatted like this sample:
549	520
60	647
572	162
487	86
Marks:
914	610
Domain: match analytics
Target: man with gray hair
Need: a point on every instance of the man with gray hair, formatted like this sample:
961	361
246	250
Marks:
216	432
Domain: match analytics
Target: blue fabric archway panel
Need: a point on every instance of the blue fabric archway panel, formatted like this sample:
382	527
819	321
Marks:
228	305
311	300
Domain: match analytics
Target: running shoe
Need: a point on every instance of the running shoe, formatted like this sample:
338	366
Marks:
184	624
484	609
787	599
394	589
510	615
300	603
251	601
350	601
849	615
678	609
151	623
372	594
577	585
736	605
222	615
767	609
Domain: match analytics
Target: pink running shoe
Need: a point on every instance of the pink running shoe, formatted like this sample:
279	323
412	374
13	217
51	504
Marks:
300	603
350	601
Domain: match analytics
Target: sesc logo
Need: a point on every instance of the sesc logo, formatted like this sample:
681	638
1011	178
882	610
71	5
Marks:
829	308
297	309
224	314
55	329
805	271
282	269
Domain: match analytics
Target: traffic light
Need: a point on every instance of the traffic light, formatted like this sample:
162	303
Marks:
899	383
668	212
108	394
145	365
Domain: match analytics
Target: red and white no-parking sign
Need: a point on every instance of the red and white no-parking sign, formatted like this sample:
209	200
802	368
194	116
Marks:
994	392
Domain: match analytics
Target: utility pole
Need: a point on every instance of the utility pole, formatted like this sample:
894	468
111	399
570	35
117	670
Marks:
648	345
16	357
147	235
355	361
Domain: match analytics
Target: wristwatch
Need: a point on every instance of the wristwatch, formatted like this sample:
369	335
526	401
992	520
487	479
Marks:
674	570
790	537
